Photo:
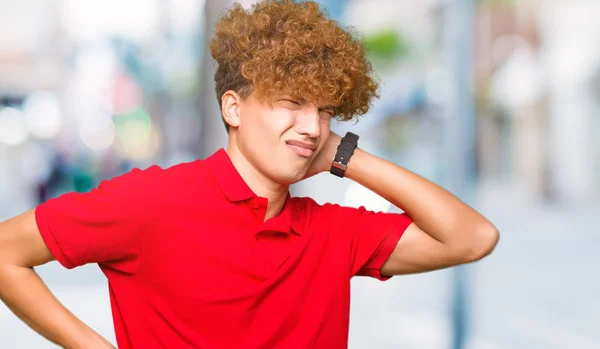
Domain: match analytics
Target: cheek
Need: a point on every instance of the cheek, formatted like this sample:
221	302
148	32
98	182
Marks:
259	127
325	128
278	124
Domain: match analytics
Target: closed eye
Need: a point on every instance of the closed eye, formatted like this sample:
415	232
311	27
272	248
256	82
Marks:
291	101
328	111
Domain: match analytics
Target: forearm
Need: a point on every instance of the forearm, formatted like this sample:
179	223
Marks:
24	292
435	210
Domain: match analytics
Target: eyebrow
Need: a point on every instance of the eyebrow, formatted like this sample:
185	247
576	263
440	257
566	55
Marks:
327	107
303	101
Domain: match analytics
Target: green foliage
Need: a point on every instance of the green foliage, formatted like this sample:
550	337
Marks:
386	45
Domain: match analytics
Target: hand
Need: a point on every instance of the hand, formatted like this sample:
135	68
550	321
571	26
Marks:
322	162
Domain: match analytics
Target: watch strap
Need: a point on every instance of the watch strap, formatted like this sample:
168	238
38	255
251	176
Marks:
344	152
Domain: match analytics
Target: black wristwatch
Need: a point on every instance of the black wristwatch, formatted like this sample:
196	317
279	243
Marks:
344	151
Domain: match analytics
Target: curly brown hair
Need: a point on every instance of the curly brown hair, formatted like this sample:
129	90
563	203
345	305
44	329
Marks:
282	46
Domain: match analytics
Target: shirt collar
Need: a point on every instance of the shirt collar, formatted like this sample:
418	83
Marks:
228	178
236	190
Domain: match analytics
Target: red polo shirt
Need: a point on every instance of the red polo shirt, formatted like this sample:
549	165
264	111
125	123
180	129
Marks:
191	263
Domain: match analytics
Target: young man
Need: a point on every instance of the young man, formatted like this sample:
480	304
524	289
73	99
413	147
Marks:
215	253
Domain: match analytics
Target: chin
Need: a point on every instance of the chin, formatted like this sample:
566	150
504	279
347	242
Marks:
290	177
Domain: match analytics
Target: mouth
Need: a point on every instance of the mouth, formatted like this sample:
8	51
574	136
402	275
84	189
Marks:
302	148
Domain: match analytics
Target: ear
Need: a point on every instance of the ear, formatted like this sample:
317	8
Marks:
230	106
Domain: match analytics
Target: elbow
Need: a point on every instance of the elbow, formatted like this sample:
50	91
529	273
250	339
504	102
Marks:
483	243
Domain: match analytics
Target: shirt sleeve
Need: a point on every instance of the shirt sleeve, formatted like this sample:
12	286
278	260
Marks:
373	235
105	225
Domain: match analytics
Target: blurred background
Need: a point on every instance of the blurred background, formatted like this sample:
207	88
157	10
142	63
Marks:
497	100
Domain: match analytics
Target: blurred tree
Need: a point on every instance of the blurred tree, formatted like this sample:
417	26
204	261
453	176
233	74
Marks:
386	46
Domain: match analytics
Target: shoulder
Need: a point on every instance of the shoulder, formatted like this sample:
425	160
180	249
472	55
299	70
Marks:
155	173
155	181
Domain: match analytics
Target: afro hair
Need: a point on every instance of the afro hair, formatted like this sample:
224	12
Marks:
282	46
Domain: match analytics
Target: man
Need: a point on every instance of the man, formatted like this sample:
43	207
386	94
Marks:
215	253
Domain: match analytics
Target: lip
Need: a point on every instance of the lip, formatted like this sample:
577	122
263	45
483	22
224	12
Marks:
302	148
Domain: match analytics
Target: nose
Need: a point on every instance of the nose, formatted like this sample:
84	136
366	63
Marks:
307	123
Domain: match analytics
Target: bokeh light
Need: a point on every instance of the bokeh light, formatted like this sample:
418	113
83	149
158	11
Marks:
134	132
13	130
43	115
98	136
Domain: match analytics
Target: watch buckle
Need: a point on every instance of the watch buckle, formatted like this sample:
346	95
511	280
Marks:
338	165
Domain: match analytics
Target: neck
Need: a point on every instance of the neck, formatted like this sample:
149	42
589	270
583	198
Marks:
259	183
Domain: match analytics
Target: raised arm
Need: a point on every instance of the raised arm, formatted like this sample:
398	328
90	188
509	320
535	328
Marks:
26	295
445	231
